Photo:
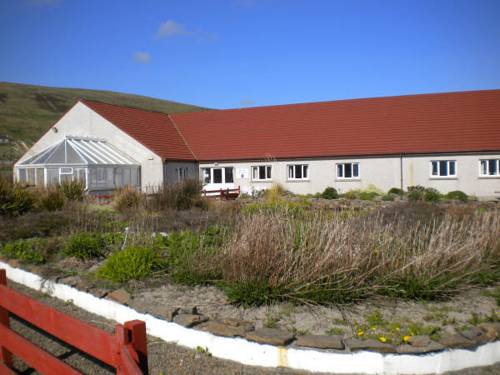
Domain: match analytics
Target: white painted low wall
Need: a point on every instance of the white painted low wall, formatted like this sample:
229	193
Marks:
251	353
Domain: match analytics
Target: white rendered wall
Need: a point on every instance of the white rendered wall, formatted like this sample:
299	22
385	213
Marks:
81	121
381	172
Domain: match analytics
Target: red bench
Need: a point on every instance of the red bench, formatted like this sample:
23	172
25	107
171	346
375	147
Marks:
125	350
222	193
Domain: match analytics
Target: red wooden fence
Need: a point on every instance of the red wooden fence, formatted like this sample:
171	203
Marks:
125	350
222	193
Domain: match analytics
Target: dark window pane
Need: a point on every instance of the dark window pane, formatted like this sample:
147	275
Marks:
347	170
435	168
355	170
452	168
262	173
305	171
206	175
492	167
229	175
290	171
268	172
442	168
340	170
298	171
217	175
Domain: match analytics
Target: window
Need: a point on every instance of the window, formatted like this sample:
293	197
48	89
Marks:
347	170
490	167
261	173
297	172
205	175
228	175
181	173
443	168
217	175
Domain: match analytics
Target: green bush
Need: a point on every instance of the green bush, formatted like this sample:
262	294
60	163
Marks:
416	193
31	251
330	193
190	255
127	198
389	197
351	194
367	195
432	195
73	190
457	195
396	191
85	246
15	199
132	263
51	199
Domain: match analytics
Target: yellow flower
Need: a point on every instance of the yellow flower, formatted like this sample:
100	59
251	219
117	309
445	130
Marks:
406	338
360	332
373	328
398	329
382	339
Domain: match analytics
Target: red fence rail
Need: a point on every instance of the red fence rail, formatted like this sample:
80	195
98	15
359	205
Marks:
222	193
125	350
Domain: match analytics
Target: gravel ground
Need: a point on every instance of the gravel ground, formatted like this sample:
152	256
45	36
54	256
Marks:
164	358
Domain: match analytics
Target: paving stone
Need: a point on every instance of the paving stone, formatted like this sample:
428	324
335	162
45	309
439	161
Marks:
321	342
419	340
189	310
221	329
476	335
370	344
456	341
167	312
270	336
189	320
491	330
120	296
409	349
248	326
71	280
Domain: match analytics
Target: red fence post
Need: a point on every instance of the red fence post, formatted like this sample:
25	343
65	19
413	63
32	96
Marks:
137	332
5	355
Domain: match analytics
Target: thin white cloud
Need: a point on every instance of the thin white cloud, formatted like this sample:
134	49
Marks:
169	29
142	57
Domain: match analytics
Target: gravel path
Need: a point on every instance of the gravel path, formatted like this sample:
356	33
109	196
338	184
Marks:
164	358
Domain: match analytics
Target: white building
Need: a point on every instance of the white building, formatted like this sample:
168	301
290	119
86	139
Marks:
446	141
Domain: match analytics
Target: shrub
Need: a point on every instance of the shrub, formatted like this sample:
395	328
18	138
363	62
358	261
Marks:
179	196
190	255
457	195
132	263
396	191
85	246
30	251
15	199
389	197
416	193
330	193
432	195
274	194
73	190
51	199
127	198
351	194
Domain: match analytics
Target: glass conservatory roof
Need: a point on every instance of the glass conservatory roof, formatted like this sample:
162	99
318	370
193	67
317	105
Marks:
81	151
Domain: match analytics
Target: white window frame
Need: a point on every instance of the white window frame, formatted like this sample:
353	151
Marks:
487	175
268	171
448	175
343	164
65	173
303	167
211	173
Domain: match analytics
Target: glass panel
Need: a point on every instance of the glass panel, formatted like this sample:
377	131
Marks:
340	170
205	173
66	170
492	167
58	156
452	168
254	172
355	170
228	171
484	169
217	178
298	171
290	171
443	170
269	172
40	178
22	175
347	170
52	176
305	171
31	176
262	173
435	168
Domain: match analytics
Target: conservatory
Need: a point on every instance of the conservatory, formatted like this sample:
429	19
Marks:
96	163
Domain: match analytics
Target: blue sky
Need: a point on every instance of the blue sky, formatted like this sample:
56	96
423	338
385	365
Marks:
234	53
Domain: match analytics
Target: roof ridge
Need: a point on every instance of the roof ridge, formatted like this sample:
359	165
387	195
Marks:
182	136
123	106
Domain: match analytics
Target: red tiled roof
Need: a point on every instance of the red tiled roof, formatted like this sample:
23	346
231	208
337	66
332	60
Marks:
429	123
154	130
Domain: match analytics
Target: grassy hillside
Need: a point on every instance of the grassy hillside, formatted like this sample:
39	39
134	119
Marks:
27	111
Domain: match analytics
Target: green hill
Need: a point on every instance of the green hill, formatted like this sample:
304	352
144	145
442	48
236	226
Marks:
27	111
